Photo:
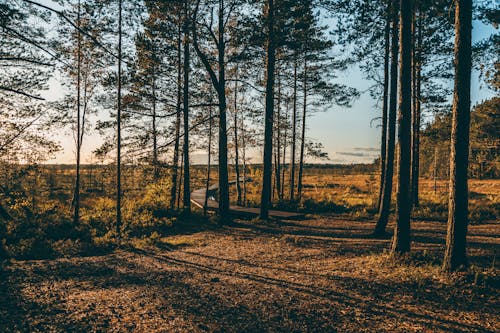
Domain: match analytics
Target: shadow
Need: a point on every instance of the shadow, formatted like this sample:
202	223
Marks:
19	314
352	233
356	293
194	291
211	293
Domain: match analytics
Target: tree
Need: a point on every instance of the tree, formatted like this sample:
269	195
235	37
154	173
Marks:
401	239
416	106
236	148
167	19
118	126
76	196
455	253
84	74
219	84
185	111
385	102
269	112
319	68
209	153
385	206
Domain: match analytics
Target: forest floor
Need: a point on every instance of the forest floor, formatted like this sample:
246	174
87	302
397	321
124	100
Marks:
316	275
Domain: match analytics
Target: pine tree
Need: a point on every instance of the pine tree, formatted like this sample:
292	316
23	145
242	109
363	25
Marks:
401	240
384	210
455	253
269	12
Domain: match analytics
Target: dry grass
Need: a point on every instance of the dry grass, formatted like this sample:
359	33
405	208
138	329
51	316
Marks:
320	275
356	195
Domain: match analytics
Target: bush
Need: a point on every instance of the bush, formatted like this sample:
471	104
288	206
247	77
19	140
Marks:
37	247
48	233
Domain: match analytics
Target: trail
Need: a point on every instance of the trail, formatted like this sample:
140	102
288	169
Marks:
198	199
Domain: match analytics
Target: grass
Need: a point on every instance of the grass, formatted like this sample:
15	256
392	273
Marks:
355	196
43	226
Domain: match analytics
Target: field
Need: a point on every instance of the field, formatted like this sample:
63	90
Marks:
343	192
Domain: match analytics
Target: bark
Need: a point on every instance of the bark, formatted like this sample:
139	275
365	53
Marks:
186	200
155	132
76	195
294	134
180	184
207	184
243	143
277	151
119	129
236	149
401	239
268	130
385	206
303	139
285	139
223	173
455	254
415	144
175	162
383	141
436	150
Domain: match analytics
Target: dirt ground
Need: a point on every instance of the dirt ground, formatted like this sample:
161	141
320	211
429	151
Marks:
321	275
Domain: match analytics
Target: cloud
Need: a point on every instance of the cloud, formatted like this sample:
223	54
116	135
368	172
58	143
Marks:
366	149
346	153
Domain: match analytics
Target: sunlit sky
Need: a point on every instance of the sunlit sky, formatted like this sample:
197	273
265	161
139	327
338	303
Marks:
348	134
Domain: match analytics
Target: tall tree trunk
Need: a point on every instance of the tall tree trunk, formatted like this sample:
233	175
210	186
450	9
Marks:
303	137
415	144
268	130
119	127
236	150
243	143
179	190
219	84
285	139
294	133
458	210
413	103
401	239
155	132
277	150
223	173
207	184
385	207
175	162
385	100
186	200
76	195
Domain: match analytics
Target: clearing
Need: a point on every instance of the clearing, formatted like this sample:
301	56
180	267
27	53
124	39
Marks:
313	275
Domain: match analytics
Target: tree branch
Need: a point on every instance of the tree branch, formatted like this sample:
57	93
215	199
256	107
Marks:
21	93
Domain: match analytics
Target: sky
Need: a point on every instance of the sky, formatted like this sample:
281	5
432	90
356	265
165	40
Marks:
349	135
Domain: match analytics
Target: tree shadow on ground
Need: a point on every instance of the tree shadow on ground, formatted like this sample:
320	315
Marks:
371	298
196	291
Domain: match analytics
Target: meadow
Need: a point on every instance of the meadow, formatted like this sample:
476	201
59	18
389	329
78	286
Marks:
40	199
